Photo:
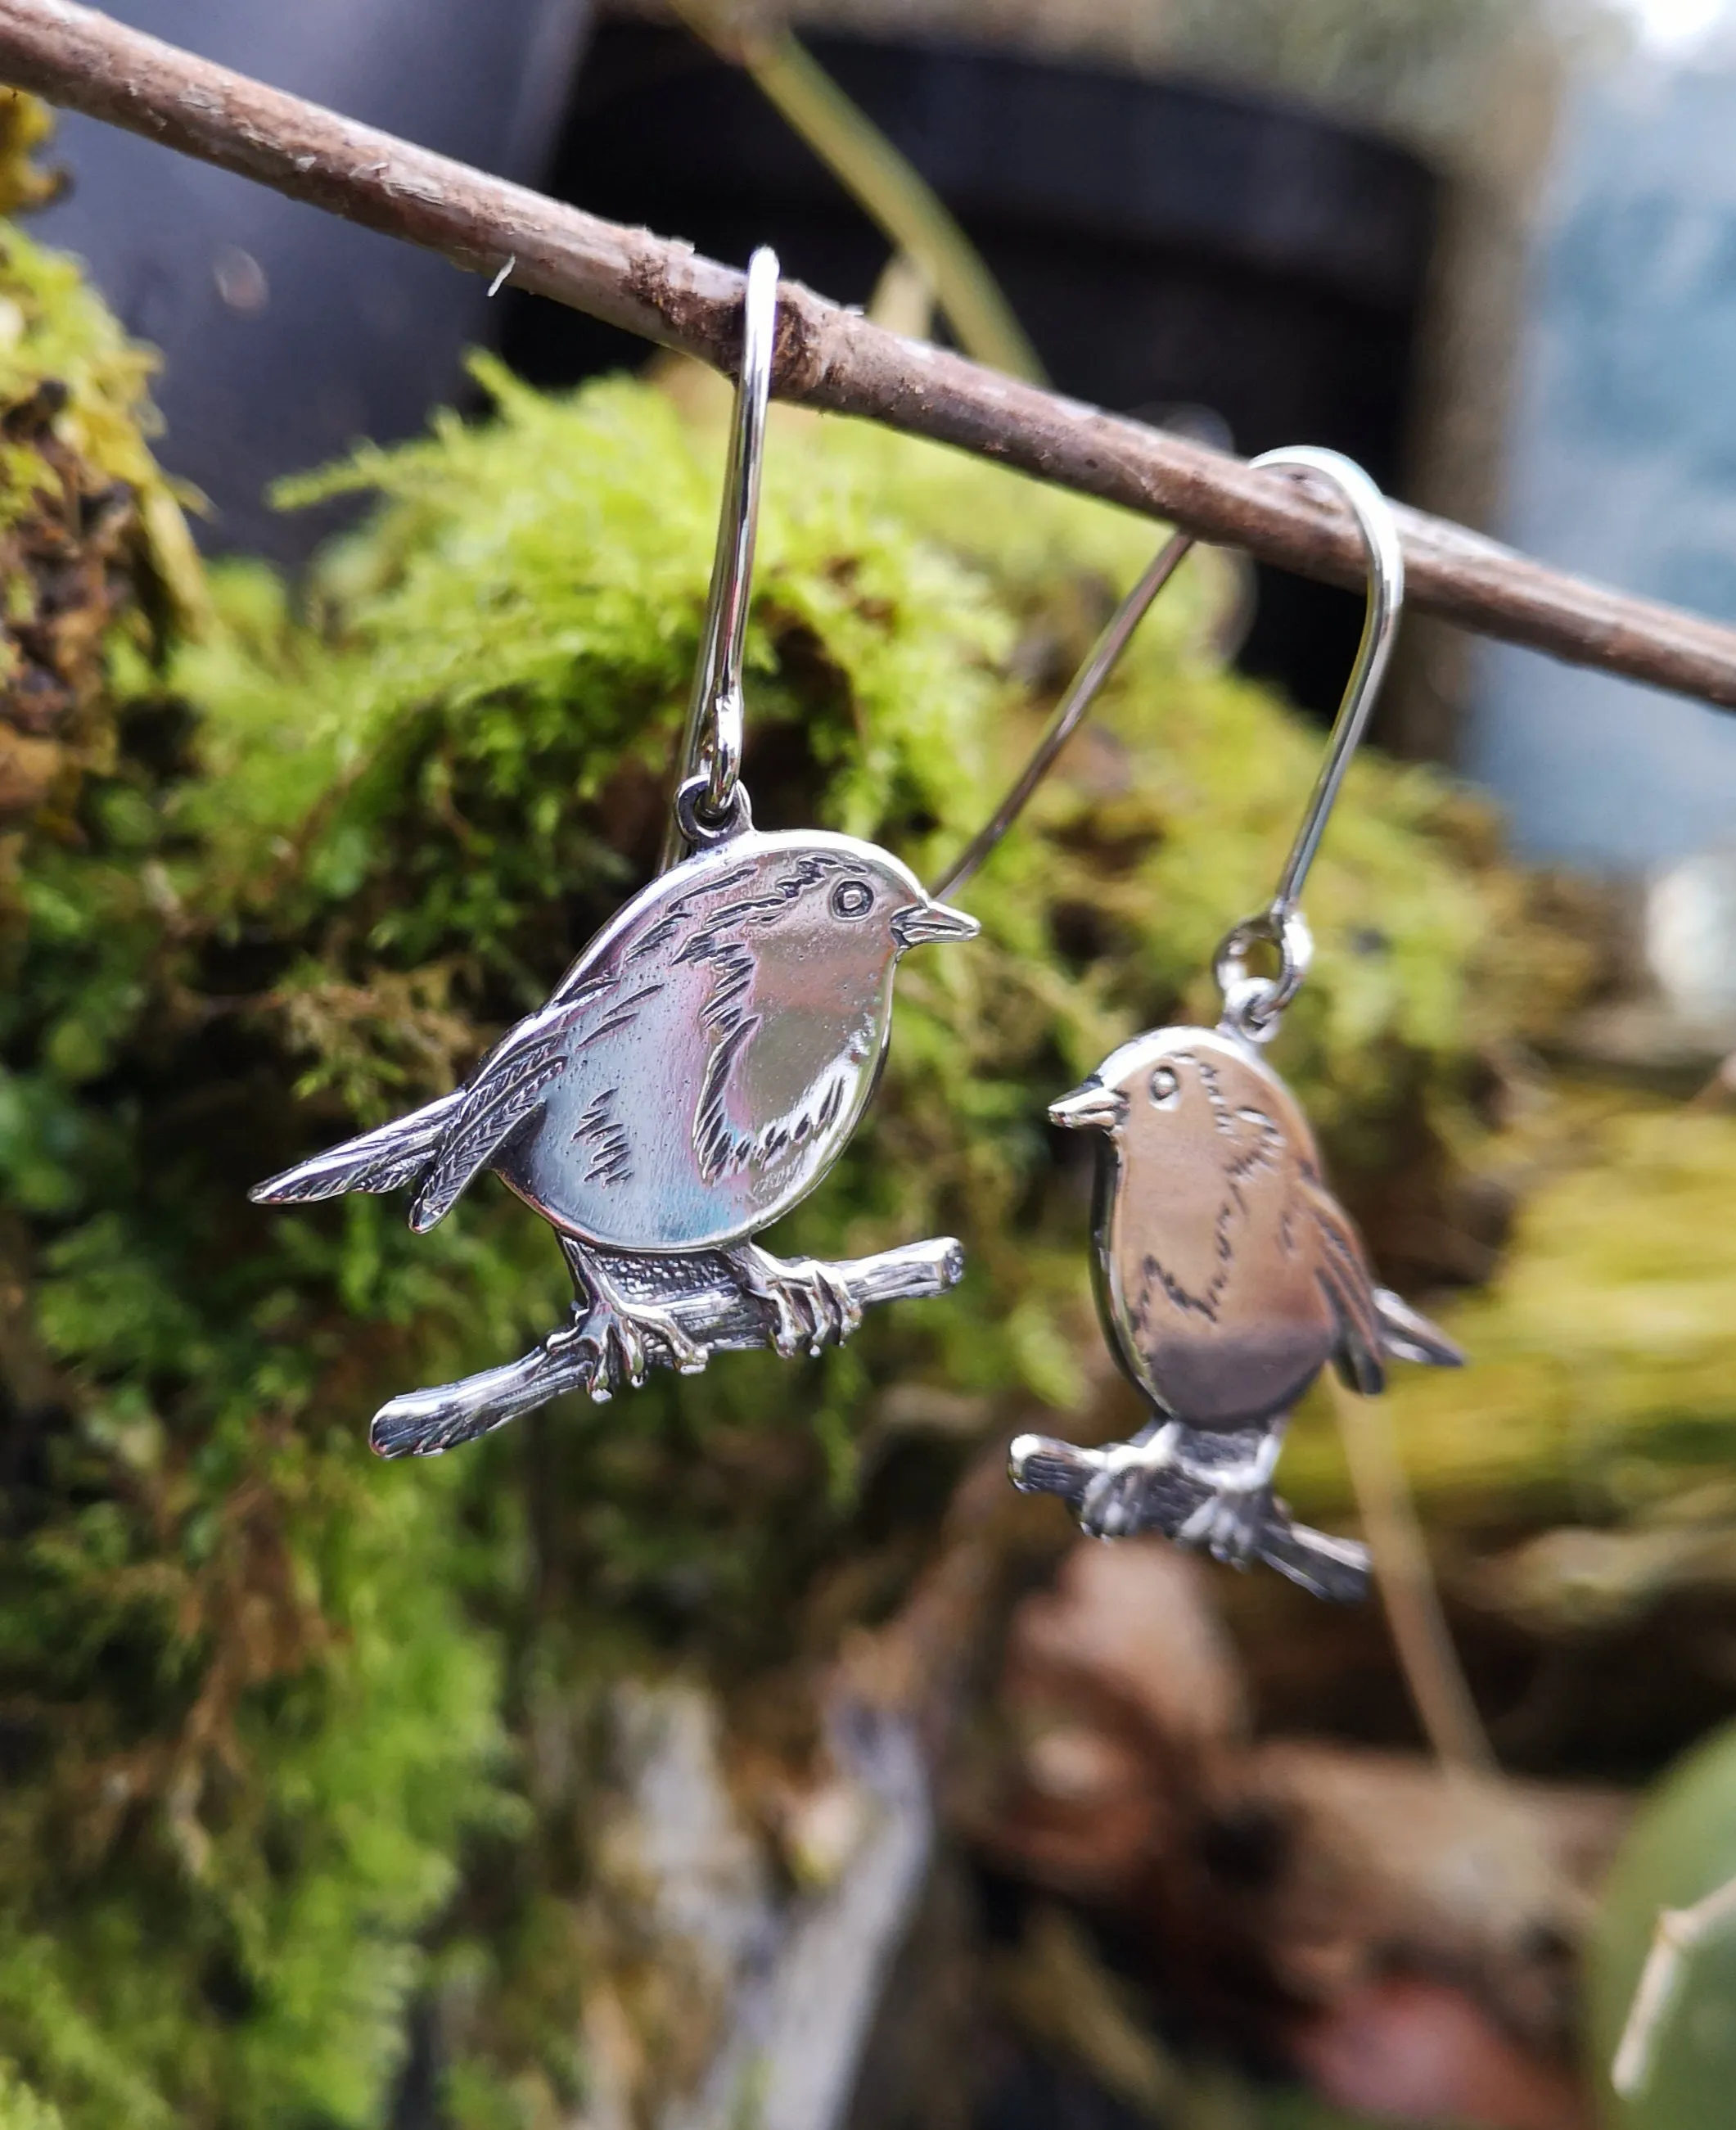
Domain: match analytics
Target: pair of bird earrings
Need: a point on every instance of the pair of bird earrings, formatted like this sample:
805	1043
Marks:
708	1056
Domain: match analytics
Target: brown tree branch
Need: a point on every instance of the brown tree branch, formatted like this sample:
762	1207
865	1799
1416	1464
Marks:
827	356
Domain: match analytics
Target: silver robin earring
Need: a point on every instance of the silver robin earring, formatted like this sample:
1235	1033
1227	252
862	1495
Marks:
1228	1275
697	1070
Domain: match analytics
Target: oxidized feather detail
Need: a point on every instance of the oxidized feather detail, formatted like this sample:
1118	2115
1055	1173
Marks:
609	1146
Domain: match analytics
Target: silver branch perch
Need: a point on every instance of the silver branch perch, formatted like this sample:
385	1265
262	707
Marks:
699	1290
1164	1499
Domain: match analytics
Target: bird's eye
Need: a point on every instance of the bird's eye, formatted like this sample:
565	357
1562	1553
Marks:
851	898
1166	1087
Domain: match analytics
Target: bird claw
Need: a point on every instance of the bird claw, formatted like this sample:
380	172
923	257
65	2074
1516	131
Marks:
619	1333
1163	1481
1117	1502
811	1303
1231	1525
843	1315
1234	1520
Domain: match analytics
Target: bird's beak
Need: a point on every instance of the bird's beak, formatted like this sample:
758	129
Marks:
1093	1107
923	921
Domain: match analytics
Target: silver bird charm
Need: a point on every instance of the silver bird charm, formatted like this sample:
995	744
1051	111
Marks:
1228	1276
697	1072
699	1068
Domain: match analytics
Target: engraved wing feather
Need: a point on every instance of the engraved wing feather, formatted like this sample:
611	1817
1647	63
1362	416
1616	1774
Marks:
504	1097
1407	1335
384	1159
507	1094
1343	1270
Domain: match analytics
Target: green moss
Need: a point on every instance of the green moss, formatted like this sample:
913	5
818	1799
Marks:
93	543
22	2109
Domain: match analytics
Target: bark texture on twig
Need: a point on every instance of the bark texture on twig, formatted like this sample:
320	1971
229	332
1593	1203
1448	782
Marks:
827	356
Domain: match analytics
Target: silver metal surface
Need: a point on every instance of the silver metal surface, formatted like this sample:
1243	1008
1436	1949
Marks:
704	1293
1229	1274
1386	602
712	743
1380	533
697	1072
1252	1004
1120	1491
703	1062
1069	713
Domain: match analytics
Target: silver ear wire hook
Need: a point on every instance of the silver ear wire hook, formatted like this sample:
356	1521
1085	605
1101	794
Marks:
1251	1004
710	798
1069	713
1380	531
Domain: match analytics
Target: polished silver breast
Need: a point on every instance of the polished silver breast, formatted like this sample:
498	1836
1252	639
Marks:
710	1054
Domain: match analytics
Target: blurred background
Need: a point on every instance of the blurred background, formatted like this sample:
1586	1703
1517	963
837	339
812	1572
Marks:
758	1759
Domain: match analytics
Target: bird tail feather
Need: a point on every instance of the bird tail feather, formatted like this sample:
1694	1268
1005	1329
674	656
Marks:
383	1160
1407	1335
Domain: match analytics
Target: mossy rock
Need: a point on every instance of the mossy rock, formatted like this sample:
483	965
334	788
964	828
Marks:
91	538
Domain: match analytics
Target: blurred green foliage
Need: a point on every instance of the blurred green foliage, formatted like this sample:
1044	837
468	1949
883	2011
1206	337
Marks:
1601	1392
1682	1849
288	1737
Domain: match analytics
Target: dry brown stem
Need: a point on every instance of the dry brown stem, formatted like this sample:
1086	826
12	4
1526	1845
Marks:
1420	1635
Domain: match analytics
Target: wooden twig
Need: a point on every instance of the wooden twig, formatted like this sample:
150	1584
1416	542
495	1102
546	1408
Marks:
706	1299
1679	1931
828	356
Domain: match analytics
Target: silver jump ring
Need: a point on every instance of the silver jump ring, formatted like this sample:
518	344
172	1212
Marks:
1251	1004
701	826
